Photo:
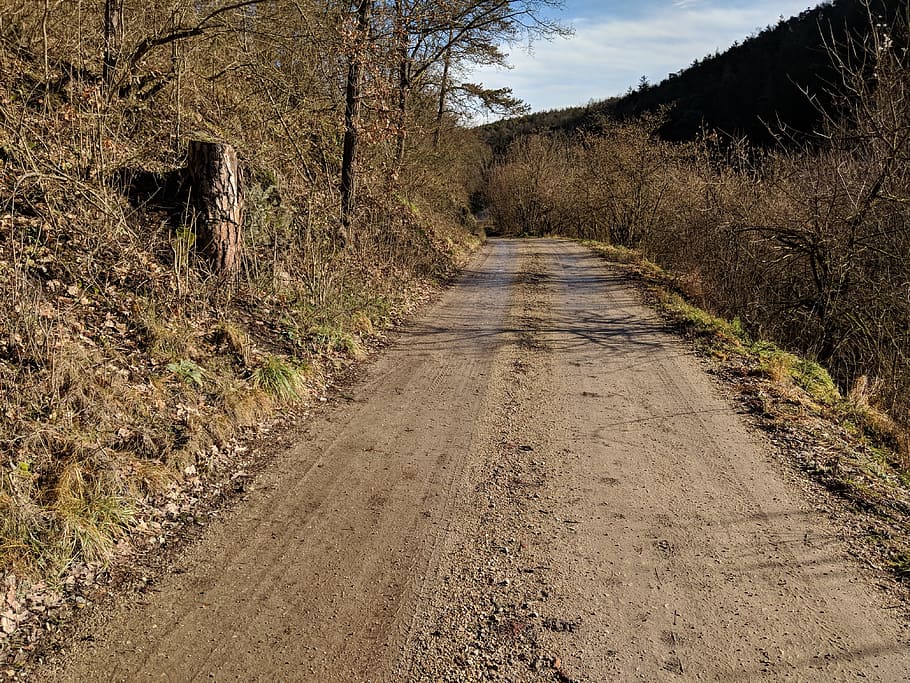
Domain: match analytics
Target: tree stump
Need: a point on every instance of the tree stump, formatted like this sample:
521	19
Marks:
218	199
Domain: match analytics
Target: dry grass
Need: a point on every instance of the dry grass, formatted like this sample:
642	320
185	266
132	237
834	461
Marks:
109	393
279	378
123	361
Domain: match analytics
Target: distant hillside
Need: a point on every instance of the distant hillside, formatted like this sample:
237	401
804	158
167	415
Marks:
500	133
755	84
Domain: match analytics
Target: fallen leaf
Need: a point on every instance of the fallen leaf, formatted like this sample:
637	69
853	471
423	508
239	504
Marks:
8	625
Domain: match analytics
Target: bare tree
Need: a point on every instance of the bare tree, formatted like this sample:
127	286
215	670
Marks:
352	104
434	37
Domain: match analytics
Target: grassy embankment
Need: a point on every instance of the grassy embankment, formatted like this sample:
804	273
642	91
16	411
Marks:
119	389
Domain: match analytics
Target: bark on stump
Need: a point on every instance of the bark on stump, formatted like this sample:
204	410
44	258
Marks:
218	200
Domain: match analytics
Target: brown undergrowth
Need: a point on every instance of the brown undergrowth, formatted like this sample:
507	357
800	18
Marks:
843	442
129	374
128	380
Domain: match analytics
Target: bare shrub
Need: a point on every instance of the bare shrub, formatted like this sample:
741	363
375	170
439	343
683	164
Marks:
533	190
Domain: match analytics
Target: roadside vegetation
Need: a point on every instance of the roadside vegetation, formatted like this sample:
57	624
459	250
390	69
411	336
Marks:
806	246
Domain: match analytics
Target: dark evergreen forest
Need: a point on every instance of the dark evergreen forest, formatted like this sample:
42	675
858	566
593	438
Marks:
773	84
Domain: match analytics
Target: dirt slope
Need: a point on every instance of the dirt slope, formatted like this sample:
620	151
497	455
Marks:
537	483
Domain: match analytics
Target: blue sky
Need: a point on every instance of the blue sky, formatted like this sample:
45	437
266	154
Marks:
616	43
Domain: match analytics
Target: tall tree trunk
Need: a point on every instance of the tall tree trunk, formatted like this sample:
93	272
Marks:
218	199
401	49
113	42
443	93
178	85
404	85
47	65
352	119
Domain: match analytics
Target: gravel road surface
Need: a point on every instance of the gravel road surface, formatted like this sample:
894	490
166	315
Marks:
534	483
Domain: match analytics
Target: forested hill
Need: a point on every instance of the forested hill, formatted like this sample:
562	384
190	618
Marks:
760	83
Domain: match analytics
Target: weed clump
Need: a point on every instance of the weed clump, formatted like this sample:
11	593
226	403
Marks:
91	510
279	378
330	339
188	371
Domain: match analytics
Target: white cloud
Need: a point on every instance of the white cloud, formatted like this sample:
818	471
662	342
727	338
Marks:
607	56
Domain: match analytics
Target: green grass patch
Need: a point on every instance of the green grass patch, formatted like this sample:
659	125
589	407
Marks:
900	564
332	339
279	378
188	371
785	367
722	335
816	381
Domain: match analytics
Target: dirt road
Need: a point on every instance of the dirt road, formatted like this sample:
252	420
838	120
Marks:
535	483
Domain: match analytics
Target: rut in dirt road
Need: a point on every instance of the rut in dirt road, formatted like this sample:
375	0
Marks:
535	483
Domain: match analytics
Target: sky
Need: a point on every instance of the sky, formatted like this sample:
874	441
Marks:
616	43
